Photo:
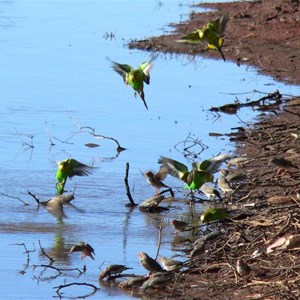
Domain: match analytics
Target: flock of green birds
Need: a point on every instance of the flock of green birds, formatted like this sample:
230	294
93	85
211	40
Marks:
193	179
200	172
210	33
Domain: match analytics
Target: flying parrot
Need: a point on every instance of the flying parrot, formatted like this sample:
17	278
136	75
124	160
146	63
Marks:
69	168
194	179
135	77
210	33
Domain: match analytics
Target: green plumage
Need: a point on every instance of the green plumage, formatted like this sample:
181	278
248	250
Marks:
210	33
135	77
194	179
211	165
214	214
69	168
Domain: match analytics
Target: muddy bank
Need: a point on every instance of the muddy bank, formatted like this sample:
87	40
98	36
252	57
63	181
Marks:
265	205
264	34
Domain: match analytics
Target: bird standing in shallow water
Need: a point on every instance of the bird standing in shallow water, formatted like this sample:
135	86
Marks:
69	168
112	270
135	77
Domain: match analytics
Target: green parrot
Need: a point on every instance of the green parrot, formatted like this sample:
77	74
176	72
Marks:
210	33
69	168
211	165
135	77
194	179
213	214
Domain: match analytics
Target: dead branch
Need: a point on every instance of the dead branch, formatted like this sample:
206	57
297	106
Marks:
34	197
91	131
132	203
12	197
60	295
189	143
59	270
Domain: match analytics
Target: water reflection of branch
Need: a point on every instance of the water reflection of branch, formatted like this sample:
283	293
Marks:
59	271
190	143
60	295
159	238
51	260
28	257
13	197
125	228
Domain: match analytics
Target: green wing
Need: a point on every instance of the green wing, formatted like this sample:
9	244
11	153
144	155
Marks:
211	165
77	168
145	67
121	69
193	37
175	168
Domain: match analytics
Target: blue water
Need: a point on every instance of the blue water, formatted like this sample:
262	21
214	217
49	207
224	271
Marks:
54	79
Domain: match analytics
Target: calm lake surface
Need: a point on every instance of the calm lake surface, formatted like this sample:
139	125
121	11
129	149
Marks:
54	79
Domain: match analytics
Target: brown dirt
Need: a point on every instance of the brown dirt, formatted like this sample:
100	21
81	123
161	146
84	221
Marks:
265	34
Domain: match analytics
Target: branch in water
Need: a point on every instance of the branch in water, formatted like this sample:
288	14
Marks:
100	136
127	186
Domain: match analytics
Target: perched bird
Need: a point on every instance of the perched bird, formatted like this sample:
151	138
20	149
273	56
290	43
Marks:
179	225
210	192
211	33
135	77
242	268
85	249
157	280
198	248
238	161
157	178
211	165
69	168
213	214
170	264
149	263
224	185
112	270
231	175
283	164
133	282
194	179
152	202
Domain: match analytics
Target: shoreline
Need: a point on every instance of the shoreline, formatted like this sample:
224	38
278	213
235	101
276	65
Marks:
264	34
265	206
